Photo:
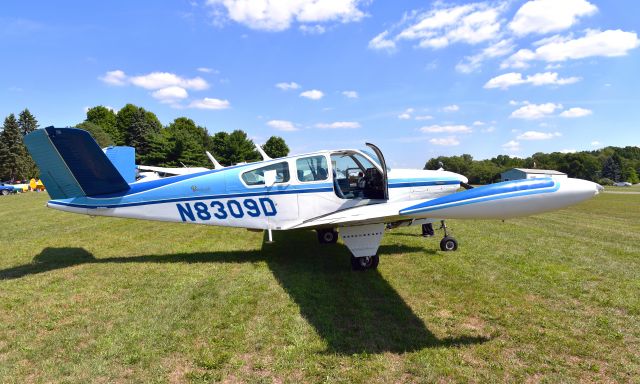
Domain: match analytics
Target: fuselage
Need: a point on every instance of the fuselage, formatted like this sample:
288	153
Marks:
307	186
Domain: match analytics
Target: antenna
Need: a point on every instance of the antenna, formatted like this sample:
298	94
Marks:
216	165
262	153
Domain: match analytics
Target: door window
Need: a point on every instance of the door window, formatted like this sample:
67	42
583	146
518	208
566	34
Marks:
312	168
256	176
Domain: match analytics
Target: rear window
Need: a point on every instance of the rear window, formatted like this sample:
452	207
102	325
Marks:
256	177
312	168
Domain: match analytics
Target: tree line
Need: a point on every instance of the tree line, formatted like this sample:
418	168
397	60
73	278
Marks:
181	143
604	166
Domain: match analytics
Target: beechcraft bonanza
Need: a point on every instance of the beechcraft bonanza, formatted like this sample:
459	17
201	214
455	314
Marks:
348	193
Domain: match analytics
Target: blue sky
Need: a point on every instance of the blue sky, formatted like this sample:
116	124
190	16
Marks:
418	78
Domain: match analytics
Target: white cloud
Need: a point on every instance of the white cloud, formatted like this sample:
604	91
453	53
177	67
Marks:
544	16
514	78
170	94
116	77
535	111
350	94
446	128
610	43
288	86
380	42
313	29
206	70
451	108
511	146
273	15
339	125
439	27
210	103
576	112
282	125
568	151
478	123
157	80
313	94
472	63
488	130
423	117
445	141
537	135
406	115
595	143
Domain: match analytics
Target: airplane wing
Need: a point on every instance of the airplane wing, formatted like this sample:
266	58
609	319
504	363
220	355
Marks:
360	215
172	171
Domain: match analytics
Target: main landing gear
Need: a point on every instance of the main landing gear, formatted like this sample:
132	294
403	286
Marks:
448	243
327	236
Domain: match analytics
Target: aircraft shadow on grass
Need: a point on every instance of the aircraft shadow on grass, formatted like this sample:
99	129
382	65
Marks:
354	312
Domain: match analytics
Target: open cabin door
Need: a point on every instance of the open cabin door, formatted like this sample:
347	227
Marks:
383	165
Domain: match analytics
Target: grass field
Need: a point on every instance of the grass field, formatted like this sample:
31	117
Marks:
550	298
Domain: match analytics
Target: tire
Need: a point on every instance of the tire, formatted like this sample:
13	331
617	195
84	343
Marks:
448	244
5	192
364	263
327	236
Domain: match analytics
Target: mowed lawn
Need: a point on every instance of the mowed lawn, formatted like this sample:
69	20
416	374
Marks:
550	298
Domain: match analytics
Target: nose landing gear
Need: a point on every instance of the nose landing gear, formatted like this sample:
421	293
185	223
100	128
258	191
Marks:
448	243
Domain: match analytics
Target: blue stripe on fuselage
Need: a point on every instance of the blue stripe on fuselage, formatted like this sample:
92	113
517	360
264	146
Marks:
489	192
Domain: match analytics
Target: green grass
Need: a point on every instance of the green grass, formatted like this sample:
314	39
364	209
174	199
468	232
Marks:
633	188
551	298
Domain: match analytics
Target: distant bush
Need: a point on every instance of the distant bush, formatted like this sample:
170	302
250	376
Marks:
605	181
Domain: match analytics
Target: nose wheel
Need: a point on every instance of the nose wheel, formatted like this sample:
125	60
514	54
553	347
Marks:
365	262
448	243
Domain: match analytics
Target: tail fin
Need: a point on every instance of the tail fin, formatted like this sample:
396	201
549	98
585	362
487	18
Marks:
72	164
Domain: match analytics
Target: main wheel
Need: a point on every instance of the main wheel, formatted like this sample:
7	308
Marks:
448	244
327	236
5	192
363	263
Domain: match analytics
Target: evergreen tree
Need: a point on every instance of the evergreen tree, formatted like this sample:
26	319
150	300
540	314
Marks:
105	118
13	155
144	126
28	123
276	147
612	168
219	147
186	143
240	148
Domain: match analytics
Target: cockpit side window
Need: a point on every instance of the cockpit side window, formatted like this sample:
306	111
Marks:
256	176
312	168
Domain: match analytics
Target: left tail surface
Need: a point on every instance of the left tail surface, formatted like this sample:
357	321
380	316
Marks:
72	164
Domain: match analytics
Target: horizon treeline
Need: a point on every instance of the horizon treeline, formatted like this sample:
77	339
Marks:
605	166
181	143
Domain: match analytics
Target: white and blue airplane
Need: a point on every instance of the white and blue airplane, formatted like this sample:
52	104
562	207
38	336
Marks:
348	193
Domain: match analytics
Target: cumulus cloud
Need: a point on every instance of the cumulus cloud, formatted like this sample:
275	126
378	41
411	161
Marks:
288	86
472	63
446	128
595	143
313	94
478	123
535	111
339	125
451	108
272	15
595	43
514	78
210	103
406	115
116	77
350	94
445	141
423	117
536	135
170	94
511	146
544	16
206	70
576	112
568	151
282	125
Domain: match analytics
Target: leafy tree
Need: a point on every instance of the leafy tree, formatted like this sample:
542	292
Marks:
106	119
13	154
186	143
137	128
276	147
240	148
97	132
219	147
124	120
629	174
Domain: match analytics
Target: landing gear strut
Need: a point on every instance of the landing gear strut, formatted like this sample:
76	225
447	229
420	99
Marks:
448	243
365	262
327	236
